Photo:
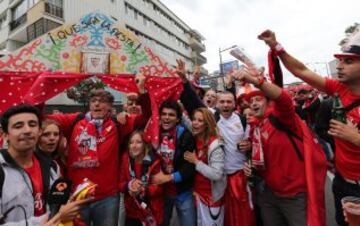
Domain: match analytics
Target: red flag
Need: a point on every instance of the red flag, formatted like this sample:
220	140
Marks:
49	84
160	89
14	86
315	172
275	72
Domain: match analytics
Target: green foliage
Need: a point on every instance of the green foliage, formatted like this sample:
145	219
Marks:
80	93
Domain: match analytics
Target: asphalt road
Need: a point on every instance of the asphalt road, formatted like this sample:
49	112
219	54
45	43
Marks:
329	201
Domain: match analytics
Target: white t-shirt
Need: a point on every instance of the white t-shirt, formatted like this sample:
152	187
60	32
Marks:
232	131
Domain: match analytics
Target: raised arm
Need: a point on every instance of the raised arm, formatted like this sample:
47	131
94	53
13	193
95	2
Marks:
296	67
188	98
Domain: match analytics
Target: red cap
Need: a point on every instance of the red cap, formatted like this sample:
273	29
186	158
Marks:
253	93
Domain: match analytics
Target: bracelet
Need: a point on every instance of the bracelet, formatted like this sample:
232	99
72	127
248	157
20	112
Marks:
261	82
278	49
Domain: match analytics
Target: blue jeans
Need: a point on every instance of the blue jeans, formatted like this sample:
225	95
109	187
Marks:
185	210
102	212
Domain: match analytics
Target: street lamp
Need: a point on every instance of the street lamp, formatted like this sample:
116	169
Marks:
221	63
220	51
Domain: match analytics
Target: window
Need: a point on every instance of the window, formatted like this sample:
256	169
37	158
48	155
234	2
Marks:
19	10
40	27
58	3
32	2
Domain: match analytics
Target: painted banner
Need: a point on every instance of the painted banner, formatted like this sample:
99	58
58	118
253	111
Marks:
94	46
95	40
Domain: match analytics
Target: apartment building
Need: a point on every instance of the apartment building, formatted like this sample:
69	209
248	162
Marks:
21	21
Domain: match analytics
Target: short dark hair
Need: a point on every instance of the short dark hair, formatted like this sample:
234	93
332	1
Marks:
23	108
171	104
106	95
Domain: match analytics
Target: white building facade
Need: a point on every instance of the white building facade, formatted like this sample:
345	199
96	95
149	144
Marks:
21	21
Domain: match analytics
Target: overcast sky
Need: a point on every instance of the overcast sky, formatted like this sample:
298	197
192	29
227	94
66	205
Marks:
308	29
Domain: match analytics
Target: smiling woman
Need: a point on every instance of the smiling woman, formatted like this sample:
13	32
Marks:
210	179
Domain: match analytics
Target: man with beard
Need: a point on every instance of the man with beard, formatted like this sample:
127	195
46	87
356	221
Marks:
346	134
288	159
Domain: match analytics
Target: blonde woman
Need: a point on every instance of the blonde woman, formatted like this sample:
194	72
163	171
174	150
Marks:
210	179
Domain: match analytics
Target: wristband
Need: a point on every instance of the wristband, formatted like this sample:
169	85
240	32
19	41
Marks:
278	49
261	82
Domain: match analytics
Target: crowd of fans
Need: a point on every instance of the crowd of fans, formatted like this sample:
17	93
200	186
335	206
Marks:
259	158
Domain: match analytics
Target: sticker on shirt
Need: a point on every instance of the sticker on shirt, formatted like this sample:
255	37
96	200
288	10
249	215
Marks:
87	147
166	152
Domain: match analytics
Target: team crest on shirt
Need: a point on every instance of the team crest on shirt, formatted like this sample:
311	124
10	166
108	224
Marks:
85	142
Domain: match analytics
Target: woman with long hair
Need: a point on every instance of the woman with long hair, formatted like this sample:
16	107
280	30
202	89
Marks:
144	203
52	143
210	179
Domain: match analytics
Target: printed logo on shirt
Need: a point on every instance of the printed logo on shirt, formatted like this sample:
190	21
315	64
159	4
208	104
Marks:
85	142
167	151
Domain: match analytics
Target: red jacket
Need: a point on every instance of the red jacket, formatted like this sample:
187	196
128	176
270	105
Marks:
154	193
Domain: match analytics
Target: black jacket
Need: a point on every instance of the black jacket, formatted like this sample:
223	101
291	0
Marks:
185	141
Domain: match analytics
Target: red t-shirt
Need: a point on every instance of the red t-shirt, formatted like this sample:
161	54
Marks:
285	172
347	155
35	175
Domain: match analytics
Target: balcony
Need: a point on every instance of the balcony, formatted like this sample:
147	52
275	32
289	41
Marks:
197	45
54	10
198	59
18	22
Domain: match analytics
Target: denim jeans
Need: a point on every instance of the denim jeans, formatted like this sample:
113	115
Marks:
185	210
102	212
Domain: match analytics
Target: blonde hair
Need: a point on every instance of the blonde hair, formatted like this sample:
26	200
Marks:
211	129
147	146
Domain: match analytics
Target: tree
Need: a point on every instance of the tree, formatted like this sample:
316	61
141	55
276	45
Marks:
80	92
348	32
